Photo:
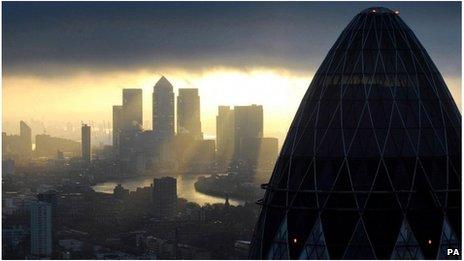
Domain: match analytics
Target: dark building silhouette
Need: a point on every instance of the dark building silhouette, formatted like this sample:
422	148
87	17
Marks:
117	126
41	229
131	126
163	108
25	133
165	197
259	152
85	143
188	113
18	146
132	109
248	123
371	166
225	133
51	197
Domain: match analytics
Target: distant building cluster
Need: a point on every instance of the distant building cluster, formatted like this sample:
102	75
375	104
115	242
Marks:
240	140
19	148
174	144
52	211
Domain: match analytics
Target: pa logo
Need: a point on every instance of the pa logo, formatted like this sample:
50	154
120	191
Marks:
452	252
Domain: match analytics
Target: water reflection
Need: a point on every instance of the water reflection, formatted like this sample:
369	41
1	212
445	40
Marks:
185	188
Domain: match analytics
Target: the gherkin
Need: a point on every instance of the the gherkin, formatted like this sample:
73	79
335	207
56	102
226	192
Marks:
371	166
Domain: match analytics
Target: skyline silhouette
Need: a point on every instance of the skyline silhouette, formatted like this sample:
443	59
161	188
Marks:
79	60
231	130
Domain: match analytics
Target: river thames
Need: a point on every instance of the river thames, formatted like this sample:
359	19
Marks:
185	188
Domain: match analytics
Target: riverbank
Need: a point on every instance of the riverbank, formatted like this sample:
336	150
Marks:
185	188
228	186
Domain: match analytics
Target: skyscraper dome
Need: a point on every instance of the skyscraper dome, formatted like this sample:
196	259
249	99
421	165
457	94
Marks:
371	166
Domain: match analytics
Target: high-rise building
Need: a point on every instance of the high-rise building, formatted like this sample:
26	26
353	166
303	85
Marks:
117	126
132	109
51	197
248	123
163	108
225	133
85	143
371	166
269	149
41	229
25	133
165	197
188	113
259	151
18	146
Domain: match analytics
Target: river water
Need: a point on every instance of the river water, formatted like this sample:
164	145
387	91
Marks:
185	188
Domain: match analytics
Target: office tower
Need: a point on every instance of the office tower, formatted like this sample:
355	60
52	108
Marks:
371	166
117	126
132	109
41	229
269	149
25	133
248	123
259	151
165	197
188	113
51	197
18	146
163	108
225	133
85	143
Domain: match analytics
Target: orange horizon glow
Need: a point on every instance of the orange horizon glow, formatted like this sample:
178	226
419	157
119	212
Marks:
88	96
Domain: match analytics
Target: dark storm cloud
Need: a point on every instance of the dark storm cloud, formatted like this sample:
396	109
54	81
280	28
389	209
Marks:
54	36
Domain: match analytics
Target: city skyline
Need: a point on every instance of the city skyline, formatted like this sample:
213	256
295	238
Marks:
231	130
62	89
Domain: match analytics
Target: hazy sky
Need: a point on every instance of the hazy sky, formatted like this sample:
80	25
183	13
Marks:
66	61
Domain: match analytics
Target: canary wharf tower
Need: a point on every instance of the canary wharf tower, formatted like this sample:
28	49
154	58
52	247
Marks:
371	166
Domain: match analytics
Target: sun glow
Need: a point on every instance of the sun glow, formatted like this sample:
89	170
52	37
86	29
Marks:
89	96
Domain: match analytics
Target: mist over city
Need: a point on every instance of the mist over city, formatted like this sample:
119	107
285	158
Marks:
231	130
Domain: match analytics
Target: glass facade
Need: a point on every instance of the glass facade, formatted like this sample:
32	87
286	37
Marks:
371	166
